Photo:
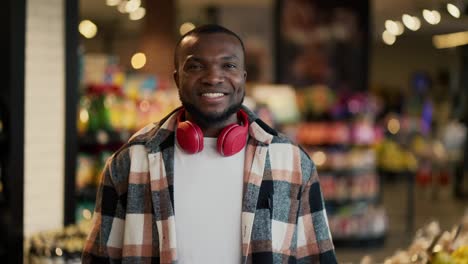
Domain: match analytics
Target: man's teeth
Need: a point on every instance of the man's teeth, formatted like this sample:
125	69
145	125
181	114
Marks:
212	94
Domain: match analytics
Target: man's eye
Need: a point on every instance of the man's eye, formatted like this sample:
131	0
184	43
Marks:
194	67
230	66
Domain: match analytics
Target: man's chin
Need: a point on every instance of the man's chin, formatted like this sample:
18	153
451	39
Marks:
211	118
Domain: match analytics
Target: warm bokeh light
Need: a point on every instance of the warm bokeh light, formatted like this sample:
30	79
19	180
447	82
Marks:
432	17
137	14
393	126
319	158
144	106
400	27
388	38
112	2
87	214
58	252
453	10
391	26
84	115
450	40
439	150
87	28
138	60
102	137
122	7
395	28
411	22
437	16
186	27
132	5
437	248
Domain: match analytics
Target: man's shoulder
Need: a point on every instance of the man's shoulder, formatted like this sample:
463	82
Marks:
144	134
137	140
134	148
150	131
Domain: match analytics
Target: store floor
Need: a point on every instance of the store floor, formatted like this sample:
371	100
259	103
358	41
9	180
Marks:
429	204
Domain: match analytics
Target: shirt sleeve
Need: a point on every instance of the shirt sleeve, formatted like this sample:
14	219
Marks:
104	242
314	241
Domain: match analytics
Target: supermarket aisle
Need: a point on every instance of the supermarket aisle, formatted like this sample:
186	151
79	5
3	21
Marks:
428	205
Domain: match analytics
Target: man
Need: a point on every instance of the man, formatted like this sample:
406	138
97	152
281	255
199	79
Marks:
210	183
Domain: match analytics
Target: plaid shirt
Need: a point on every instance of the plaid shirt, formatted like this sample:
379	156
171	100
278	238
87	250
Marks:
283	214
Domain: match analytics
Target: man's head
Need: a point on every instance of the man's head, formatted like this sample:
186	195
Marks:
205	29
210	75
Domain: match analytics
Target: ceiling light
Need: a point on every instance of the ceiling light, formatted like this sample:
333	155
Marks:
393	126
138	60
453	10
186	27
391	26
132	5
437	16
400	27
450	40
112	2
122	7
388	38
431	16
411	22
87	28
319	158
137	14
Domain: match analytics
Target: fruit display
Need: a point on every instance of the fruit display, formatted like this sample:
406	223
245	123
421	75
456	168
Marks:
435	246
58	246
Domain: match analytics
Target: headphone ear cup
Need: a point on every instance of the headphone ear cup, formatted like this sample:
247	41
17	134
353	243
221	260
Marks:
190	137
232	139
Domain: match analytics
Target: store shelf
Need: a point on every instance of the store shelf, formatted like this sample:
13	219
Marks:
332	203
87	193
102	140
342	143
360	242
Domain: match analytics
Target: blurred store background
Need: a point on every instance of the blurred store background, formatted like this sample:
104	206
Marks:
375	91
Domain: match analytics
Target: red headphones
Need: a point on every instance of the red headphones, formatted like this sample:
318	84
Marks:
231	140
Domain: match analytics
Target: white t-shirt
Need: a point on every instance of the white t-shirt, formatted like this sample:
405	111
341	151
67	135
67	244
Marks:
208	205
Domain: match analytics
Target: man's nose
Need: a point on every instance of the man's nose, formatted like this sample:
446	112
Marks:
213	76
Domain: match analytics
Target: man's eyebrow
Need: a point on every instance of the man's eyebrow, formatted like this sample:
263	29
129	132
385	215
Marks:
230	57
223	58
194	58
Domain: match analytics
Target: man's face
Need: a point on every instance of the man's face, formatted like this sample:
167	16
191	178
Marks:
211	77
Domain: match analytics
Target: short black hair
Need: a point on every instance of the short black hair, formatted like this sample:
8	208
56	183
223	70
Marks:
205	29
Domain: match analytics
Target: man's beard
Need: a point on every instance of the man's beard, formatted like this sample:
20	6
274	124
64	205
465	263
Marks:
211	119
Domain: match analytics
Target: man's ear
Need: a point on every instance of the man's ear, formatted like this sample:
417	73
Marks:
245	75
175	75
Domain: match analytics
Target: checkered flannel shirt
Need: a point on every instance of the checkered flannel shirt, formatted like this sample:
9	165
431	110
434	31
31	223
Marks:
283	214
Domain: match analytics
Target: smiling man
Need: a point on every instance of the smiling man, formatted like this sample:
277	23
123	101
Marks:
211	182
211	78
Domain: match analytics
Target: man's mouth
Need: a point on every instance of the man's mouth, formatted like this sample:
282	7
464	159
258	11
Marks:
212	95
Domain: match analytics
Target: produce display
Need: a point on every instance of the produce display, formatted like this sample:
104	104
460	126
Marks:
58	246
436	246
